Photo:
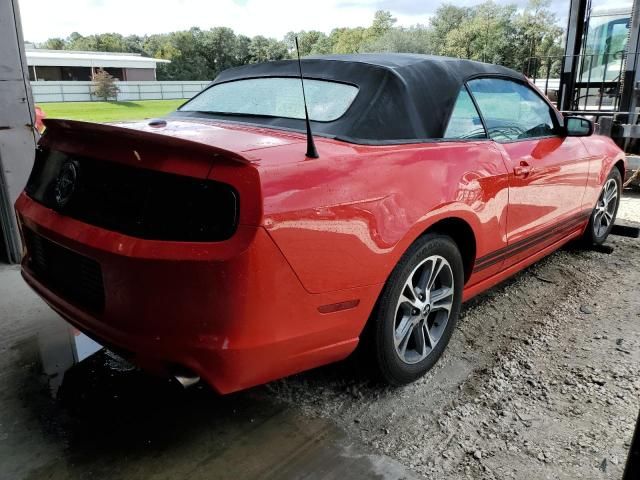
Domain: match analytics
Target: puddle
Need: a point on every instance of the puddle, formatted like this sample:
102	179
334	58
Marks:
100	417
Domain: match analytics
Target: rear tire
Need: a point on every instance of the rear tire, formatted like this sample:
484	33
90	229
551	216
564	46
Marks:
604	213
417	310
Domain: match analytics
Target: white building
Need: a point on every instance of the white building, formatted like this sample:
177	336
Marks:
68	65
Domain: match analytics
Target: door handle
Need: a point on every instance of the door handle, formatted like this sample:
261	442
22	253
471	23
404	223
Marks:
523	170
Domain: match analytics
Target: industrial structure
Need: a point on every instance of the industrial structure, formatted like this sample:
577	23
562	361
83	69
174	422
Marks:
68	65
599	74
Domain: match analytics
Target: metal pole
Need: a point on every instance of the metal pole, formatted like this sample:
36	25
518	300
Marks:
628	97
17	119
546	82
620	88
586	95
575	30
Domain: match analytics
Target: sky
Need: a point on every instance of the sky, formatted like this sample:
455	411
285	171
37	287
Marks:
42	19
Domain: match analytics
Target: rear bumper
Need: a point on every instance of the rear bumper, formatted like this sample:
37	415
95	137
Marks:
233	312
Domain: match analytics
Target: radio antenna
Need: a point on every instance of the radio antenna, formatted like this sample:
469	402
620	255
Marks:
311	146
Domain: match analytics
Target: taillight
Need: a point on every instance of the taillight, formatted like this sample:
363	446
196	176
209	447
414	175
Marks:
134	201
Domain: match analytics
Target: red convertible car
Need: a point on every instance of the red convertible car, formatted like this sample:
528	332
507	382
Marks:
209	245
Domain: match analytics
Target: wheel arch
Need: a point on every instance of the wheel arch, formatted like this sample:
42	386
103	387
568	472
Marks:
461	232
453	226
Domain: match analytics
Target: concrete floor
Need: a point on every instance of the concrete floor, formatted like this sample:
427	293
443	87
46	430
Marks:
103	419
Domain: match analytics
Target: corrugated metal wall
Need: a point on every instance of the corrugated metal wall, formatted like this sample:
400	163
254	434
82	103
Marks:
44	91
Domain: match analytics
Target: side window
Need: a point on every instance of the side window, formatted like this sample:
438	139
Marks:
511	110
464	121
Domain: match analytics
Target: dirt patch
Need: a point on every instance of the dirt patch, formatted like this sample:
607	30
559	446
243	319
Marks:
541	376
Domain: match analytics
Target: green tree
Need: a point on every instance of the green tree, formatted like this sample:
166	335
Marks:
134	44
309	42
447	18
217	47
104	85
383	22
258	49
54	44
75	36
487	32
497	33
348	40
184	49
416	39
323	46
537	47
241	53
264	49
277	50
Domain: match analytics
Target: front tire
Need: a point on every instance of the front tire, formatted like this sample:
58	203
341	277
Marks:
604	214
418	309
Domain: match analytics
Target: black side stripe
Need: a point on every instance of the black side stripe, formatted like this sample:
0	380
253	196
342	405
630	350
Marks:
563	229
522	245
504	250
527	243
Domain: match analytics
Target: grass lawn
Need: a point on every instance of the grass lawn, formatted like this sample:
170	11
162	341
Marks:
110	111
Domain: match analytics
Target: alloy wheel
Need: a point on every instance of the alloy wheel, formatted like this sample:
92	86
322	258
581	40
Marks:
423	309
605	208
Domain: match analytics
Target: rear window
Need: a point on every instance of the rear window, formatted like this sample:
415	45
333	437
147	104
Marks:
276	97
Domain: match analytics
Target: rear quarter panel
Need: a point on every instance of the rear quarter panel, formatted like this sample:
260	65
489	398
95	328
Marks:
344	220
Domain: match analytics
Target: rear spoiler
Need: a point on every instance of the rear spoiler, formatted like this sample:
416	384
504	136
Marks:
150	134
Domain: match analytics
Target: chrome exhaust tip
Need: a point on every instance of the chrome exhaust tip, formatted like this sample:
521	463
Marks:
187	381
185	377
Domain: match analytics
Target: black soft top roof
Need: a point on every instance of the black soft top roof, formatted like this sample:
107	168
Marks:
402	97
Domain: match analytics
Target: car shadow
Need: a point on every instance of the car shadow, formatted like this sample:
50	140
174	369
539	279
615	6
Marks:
105	419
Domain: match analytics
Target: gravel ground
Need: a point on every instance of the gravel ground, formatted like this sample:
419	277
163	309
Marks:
541	376
539	381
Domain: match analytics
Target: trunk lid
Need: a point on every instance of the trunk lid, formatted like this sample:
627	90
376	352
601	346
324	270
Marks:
134	177
237	142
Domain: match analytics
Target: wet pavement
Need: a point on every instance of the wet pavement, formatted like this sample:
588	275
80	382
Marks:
69	409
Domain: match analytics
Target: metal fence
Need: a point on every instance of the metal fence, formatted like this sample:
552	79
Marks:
44	91
599	78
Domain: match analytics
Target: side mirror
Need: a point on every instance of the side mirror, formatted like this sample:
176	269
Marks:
578	127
